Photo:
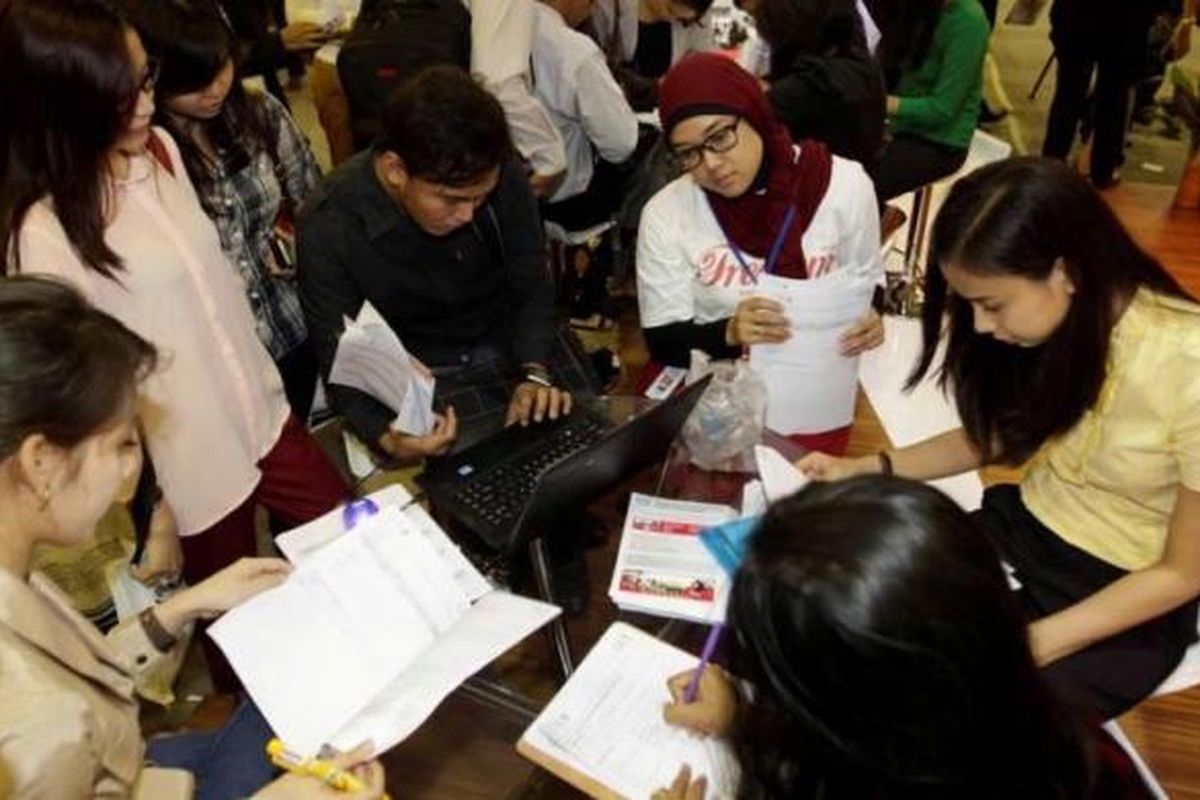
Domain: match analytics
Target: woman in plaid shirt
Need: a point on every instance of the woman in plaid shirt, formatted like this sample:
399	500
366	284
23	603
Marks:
251	166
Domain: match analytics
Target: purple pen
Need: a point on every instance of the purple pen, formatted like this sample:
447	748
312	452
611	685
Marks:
356	511
710	647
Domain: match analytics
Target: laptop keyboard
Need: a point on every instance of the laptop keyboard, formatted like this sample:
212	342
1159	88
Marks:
499	494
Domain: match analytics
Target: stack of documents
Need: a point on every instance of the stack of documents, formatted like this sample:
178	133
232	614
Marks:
811	386
371	358
604	731
371	631
662	568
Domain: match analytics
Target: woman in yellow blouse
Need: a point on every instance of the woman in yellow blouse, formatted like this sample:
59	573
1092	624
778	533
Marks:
1069	349
68	718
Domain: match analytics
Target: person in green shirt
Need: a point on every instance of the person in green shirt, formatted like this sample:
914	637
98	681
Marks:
935	107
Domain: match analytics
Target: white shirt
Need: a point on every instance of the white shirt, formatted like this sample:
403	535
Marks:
687	271
870	29
215	405
573	81
501	40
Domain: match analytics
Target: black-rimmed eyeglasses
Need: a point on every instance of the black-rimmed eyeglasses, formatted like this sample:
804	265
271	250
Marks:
721	140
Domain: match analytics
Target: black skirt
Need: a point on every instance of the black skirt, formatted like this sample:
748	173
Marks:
1114	674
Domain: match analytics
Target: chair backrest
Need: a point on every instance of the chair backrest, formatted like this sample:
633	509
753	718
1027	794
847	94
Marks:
1186	675
1114	730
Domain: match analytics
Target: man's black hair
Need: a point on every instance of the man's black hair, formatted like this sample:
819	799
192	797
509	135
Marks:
446	127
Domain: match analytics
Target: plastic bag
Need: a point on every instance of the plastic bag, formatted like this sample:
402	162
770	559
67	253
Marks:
728	421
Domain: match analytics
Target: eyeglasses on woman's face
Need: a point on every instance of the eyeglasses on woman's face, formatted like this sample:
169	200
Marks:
149	77
721	140
145	82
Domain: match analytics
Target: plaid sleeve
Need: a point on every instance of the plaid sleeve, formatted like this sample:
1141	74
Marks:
295	163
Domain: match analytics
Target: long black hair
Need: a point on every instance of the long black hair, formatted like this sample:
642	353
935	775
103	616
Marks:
66	369
193	42
907	27
1021	217
67	94
888	657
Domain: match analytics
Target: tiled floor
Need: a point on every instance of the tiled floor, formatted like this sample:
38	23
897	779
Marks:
1021	51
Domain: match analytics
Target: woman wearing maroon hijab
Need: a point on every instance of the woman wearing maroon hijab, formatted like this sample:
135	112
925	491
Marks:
751	202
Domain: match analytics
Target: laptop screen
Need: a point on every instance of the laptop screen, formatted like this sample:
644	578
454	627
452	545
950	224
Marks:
628	448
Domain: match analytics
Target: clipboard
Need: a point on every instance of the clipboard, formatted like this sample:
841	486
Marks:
581	781
603	732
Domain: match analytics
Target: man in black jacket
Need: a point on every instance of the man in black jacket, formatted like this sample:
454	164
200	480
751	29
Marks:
436	226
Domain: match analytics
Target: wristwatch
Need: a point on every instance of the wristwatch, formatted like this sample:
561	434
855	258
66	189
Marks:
537	373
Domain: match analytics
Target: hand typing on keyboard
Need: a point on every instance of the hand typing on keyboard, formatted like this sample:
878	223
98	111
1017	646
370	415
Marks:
536	402
499	494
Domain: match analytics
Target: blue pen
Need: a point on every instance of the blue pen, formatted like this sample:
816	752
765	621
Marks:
710	646
356	511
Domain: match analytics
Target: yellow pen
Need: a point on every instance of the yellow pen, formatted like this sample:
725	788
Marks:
332	776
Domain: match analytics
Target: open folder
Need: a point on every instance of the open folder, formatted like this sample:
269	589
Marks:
371	631
662	568
604	731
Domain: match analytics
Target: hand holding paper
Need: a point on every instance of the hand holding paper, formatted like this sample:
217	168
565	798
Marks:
811	386
759	320
371	358
779	478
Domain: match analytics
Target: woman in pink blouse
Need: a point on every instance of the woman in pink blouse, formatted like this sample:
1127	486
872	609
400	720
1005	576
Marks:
90	192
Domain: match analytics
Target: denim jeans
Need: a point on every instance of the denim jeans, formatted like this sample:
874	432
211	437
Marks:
228	763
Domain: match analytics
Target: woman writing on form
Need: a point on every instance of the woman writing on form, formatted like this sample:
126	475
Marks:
887	660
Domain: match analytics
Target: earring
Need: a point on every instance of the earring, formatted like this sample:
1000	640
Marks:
44	498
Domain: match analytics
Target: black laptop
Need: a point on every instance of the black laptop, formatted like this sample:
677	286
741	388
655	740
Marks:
522	478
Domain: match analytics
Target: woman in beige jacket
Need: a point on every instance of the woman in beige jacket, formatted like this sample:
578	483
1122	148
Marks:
68	720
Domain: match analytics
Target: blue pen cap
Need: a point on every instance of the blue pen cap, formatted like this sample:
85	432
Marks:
356	511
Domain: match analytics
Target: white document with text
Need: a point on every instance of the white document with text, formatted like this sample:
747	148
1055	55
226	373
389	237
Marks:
370	633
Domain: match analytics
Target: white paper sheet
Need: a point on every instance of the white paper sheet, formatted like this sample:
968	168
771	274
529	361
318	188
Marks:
130	596
371	358
909	417
662	568
779	478
606	722
810	385
301	542
495	624
754	499
300	663
370	632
